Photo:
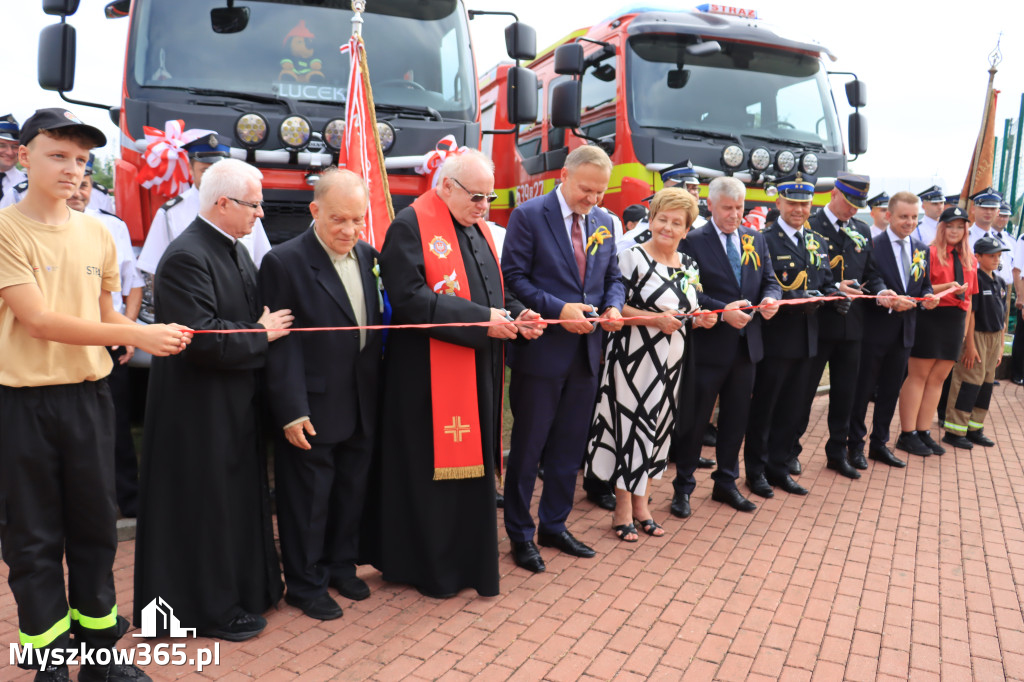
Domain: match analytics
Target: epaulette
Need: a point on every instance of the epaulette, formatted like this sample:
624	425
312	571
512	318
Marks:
100	187
172	203
21	187
106	212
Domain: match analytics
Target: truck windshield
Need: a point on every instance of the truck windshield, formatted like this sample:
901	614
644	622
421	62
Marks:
418	51
752	90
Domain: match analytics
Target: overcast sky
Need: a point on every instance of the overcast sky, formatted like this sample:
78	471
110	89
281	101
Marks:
925	65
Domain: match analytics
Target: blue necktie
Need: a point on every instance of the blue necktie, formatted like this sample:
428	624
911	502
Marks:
734	256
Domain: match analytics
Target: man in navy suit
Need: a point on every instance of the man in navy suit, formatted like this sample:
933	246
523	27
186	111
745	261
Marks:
889	331
322	390
558	259
735	272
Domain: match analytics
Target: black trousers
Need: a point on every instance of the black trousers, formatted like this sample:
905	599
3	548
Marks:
126	463
1017	352
883	365
56	505
320	498
776	408
843	360
733	383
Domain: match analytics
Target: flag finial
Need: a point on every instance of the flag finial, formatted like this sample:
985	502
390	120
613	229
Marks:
358	7
995	57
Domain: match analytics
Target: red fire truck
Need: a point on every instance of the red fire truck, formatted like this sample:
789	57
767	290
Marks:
269	74
714	85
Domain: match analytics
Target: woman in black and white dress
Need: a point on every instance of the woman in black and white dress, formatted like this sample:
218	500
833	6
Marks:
636	405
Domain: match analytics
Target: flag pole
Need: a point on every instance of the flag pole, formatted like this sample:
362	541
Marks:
994	59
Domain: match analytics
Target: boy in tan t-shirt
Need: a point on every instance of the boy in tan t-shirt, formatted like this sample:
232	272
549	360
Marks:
57	269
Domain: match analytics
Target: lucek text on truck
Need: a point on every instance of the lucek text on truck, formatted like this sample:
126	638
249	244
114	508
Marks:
269	75
653	88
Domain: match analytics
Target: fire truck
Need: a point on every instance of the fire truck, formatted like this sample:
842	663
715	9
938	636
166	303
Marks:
269	74
714	85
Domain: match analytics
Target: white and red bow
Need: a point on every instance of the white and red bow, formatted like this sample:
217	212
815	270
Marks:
165	163
446	146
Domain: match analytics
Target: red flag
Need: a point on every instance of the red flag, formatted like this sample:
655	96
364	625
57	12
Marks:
362	153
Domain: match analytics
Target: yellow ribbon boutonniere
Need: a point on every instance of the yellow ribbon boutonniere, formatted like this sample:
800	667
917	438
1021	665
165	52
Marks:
380	285
813	257
749	252
917	265
595	240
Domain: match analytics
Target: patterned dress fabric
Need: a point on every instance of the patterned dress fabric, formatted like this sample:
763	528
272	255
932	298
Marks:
636	405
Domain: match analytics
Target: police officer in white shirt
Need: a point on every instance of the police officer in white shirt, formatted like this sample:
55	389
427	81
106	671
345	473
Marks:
986	210
178	213
932	202
1007	262
10	176
879	205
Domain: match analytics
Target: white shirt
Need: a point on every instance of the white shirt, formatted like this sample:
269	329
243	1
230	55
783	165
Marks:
723	237
8	180
976	233
790	231
897	250
631	238
131	278
168	223
1006	259
926	230
498	235
875	230
101	201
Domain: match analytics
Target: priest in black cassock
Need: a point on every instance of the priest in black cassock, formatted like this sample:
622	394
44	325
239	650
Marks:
442	387
204	543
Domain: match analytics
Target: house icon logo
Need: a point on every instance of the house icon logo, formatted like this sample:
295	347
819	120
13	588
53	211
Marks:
158	619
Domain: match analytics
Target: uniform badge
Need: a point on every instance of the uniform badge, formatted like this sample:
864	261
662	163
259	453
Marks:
448	285
212	141
440	247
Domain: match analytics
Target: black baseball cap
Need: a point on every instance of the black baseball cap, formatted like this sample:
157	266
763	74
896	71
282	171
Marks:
953	213
986	245
54	119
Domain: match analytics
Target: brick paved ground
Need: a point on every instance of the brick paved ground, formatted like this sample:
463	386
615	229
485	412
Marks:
906	574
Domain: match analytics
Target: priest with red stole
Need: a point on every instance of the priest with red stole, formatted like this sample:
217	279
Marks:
441	411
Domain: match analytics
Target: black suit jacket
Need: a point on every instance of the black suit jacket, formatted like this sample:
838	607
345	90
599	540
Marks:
322	375
883	326
793	332
717	345
849	260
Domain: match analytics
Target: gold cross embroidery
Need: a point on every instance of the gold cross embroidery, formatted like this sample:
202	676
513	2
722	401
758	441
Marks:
457	429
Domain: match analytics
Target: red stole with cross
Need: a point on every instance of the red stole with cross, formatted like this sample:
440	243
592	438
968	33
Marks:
458	452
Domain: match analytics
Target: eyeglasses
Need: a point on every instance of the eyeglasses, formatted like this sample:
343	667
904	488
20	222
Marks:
247	204
476	197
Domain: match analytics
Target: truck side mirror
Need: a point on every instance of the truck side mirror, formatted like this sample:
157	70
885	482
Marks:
569	60
60	8
117	9
56	63
566	104
520	41
857	93
229	19
858	133
521	95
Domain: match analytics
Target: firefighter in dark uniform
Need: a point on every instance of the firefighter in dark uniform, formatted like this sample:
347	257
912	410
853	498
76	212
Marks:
841	327
800	258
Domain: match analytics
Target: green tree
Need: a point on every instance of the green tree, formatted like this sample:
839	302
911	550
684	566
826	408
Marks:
103	171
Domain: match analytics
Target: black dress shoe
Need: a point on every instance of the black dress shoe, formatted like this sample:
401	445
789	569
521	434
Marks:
957	441
794	467
351	587
680	506
526	555
733	498
565	542
499	500
927	439
1017	382
540	473
321	607
710	437
115	672
909	442
705	463
843	468
786	483
435	595
979	438
884	455
759	486
54	673
240	628
602	500
857	460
